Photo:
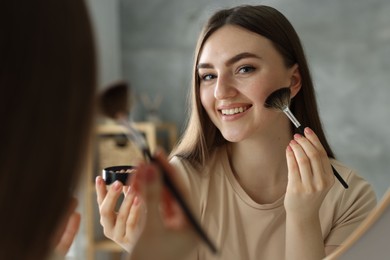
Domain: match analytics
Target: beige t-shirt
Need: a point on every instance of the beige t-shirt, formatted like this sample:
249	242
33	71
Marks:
243	229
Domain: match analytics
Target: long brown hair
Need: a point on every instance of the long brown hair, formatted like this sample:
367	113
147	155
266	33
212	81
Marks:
47	81
201	135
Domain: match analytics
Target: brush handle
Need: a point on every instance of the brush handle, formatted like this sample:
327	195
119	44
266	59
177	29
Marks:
198	229
140	141
341	180
301	130
176	194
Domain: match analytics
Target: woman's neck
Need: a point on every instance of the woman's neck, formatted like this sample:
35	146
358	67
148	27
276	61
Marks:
260	166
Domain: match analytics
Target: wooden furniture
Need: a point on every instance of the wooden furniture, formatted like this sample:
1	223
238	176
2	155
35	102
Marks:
154	130
371	239
111	147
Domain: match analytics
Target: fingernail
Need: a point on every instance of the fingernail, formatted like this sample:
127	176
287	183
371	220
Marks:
308	130
293	142
288	148
297	136
117	185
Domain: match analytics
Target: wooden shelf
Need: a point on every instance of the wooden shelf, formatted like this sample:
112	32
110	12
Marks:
107	245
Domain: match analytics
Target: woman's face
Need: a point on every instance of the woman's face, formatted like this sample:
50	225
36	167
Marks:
238	69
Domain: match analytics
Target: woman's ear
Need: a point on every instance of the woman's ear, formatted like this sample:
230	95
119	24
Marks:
296	80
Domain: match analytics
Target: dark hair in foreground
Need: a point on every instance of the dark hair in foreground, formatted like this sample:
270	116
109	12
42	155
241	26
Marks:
47	81
201	136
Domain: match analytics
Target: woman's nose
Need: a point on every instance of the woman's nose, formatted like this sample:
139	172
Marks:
224	88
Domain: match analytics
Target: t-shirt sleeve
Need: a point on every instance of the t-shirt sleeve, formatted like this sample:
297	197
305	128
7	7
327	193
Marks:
352	207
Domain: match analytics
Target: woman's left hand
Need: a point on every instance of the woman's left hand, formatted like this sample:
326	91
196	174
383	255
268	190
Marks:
310	175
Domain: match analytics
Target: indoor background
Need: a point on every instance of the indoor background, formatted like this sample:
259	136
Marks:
150	44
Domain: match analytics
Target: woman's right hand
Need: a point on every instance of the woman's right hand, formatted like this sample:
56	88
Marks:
123	226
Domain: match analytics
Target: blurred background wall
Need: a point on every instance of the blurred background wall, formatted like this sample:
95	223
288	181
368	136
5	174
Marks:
150	44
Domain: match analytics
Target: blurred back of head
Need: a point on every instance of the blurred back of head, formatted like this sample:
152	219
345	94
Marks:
47	81
114	100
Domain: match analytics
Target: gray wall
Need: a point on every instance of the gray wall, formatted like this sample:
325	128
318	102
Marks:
347	43
105	18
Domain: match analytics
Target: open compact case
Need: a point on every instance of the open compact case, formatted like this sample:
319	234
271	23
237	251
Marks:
120	173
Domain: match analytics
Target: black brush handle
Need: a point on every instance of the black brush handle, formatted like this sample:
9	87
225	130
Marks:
341	180
143	146
301	130
169	184
179	198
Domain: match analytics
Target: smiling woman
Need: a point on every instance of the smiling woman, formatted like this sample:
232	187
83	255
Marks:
260	190
249	149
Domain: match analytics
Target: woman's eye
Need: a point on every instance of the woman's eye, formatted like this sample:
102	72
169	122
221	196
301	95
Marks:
246	69
207	77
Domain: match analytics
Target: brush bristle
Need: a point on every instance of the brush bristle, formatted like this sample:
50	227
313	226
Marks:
279	99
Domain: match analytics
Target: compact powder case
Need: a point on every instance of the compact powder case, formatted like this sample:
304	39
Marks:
117	173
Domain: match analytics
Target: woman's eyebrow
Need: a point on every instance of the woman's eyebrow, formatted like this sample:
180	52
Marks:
241	56
204	66
230	61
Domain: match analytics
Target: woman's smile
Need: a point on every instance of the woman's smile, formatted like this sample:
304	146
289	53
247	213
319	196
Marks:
233	112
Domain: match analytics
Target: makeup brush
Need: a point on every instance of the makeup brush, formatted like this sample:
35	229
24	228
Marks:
280	100
120	114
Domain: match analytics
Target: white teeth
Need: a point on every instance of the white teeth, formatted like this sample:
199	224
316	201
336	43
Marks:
233	111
